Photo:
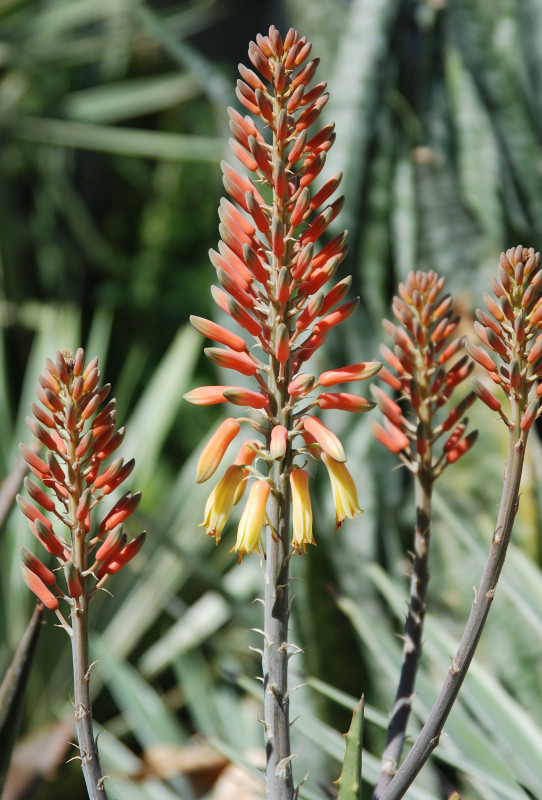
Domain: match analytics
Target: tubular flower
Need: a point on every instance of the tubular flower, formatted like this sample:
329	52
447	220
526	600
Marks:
273	278
512	332
221	500
214	450
425	368
79	434
344	490
302	511
249	533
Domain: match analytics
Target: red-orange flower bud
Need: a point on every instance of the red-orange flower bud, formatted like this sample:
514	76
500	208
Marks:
37	586
345	402
245	397
393	438
462	447
230	359
206	395
44	533
215	448
279	442
301	384
120	512
33	563
113	544
327	440
126	554
282	347
353	372
73	582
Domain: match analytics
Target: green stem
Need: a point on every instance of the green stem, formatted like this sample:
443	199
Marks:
280	785
429	736
412	648
88	749
275	652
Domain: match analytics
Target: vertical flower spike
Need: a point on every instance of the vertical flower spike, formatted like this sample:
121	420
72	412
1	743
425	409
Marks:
273	281
423	371
79	432
511	335
270	269
512	332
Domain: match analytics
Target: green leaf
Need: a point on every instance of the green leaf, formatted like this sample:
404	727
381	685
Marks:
114	102
353	95
122	141
349	784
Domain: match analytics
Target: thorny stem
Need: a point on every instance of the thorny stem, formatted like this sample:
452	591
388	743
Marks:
429	736
88	750
280	784
275	653
412	648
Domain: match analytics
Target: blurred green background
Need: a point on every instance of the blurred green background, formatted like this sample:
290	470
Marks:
112	125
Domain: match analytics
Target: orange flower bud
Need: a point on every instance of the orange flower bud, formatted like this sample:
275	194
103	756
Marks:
126	554
230	359
462	447
37	586
480	356
38	495
207	395
120	512
44	534
219	334
354	372
310	312
393	438
35	463
73	583
279	442
215	449
345	402
33	563
282	347
301	384
110	473
327	440
245	397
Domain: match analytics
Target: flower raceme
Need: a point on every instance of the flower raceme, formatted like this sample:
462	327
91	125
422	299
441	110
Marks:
79	437
512	332
274	285
425	368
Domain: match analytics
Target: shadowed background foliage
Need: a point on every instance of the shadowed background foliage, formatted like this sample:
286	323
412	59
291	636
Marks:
113	122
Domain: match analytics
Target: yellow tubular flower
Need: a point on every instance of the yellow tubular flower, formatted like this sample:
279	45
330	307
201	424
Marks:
302	511
221	499
343	488
249	533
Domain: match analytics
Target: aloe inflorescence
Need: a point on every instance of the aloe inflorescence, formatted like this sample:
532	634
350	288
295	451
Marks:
426	367
274	286
67	513
273	283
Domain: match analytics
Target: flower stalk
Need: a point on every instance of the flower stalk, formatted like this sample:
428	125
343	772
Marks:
512	333
272	285
421	373
79	439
